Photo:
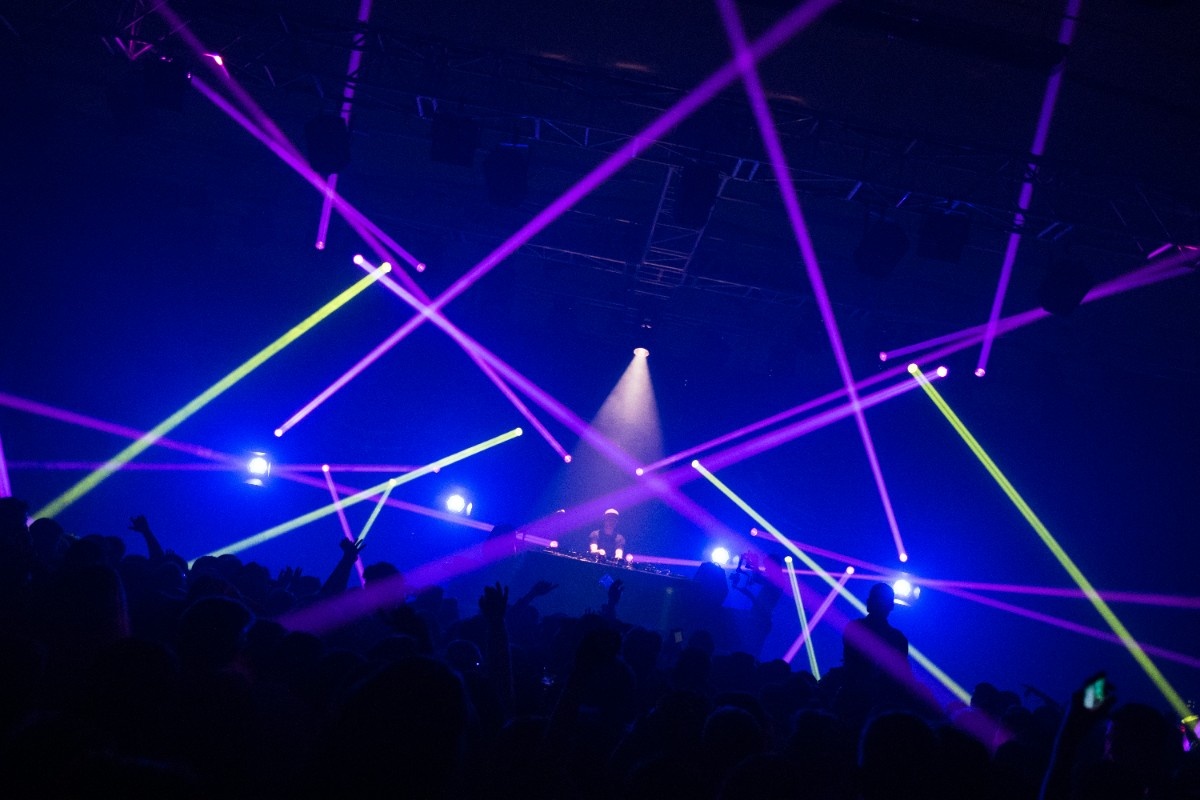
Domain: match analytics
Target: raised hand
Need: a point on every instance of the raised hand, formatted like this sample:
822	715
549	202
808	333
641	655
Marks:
493	603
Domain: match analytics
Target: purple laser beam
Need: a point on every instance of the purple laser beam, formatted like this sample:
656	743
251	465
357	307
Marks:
1066	35
791	202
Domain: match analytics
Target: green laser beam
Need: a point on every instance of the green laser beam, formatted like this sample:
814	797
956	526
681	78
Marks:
917	655
808	643
365	494
375	511
1131	644
91	481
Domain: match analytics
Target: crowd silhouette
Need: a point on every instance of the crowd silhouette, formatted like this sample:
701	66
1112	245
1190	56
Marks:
137	675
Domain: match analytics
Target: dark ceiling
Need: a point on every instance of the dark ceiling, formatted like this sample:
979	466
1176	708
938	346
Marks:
151	248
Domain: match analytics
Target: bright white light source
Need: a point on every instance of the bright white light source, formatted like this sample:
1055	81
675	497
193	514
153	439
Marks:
720	556
456	504
641	352
903	588
258	465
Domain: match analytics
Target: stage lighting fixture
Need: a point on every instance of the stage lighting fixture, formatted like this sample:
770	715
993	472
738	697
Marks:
328	144
1064	287
639	472
258	468
641	352
980	372
883	245
456	504
719	556
942	372
554	544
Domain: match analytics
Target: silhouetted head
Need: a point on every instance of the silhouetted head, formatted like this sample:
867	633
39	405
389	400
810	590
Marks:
610	520
881	600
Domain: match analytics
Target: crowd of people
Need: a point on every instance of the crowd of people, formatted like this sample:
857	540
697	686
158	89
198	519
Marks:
137	674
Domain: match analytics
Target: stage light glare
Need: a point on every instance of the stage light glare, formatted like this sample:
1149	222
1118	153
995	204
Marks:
719	556
695	463
618	554
639	472
849	570
420	266
567	458
278	432
358	260
754	531
554	544
324	468
456	504
385	267
787	559
904	557
641	352
391	481
980	372
258	465
942	372
903	588
882	356
913	369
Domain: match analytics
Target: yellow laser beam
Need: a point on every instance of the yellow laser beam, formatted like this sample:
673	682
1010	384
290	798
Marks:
365	494
375	511
91	481
917	655
808	643
1131	644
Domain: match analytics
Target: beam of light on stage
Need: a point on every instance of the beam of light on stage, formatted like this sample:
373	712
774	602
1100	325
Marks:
224	462
1066	34
375	511
940	676
628	418
1131	644
124	431
791	203
90	482
366	494
339	507
1067	625
806	632
1146	275
356	53
5	483
469	346
805	629
779	34
1134	598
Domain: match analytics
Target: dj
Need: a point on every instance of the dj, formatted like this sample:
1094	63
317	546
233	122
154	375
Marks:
606	539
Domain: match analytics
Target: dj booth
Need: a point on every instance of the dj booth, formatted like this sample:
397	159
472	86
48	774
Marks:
651	598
